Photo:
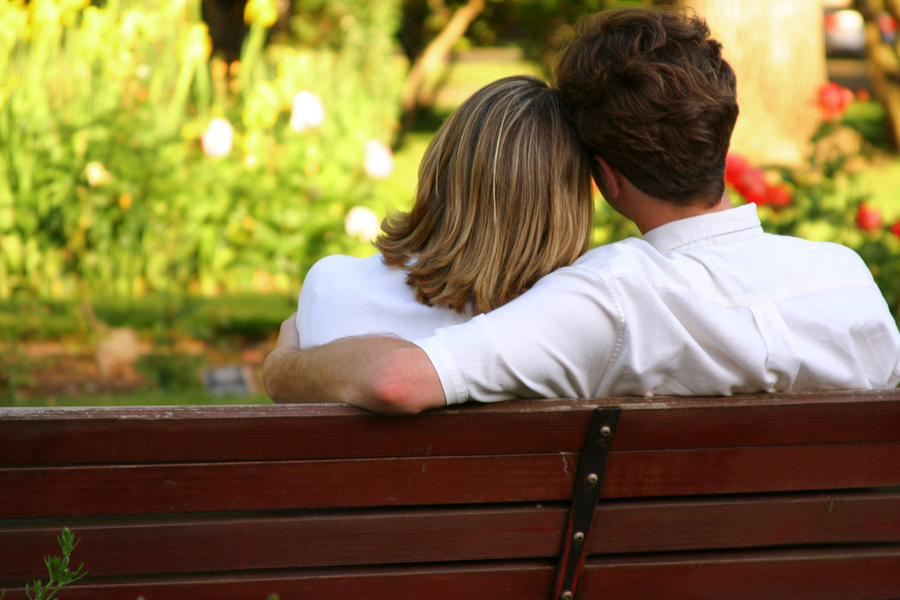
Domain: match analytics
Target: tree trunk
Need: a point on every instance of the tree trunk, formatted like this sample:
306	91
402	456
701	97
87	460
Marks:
777	50
417	91
884	67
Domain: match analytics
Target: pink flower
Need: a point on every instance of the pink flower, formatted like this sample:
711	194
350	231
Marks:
834	100
377	159
306	111
868	218
218	138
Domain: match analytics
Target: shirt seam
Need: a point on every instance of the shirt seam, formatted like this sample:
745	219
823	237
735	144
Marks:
621	326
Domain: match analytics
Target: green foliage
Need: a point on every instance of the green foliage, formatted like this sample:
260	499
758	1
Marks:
15	373
539	27
106	184
152	315
58	569
171	371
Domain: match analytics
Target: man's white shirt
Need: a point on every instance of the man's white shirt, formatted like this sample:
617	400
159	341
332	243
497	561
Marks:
709	305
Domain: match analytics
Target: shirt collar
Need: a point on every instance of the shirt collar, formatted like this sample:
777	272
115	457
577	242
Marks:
708	229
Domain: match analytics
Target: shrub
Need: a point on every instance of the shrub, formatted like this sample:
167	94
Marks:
133	162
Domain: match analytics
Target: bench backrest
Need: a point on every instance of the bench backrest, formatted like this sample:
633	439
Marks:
789	496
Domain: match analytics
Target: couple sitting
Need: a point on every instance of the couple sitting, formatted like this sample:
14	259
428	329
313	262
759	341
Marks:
475	295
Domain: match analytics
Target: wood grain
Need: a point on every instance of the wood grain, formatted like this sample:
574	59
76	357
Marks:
144	489
145	545
773	575
135	435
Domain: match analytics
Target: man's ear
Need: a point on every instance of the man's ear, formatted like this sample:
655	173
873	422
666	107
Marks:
612	180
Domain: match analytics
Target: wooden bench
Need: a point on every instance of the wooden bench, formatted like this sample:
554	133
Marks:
755	497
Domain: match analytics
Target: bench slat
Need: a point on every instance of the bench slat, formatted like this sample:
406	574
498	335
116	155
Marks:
872	573
186	434
143	489
117	546
749	470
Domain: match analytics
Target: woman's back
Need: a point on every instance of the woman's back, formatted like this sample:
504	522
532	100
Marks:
345	295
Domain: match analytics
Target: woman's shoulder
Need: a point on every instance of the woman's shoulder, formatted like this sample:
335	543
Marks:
341	274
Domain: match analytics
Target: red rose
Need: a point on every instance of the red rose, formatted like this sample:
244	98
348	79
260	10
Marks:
895	228
868	218
778	195
749	181
834	100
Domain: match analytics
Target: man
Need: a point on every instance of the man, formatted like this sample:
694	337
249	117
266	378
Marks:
704	304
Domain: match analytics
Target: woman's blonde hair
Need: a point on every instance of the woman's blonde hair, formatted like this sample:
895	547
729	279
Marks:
504	197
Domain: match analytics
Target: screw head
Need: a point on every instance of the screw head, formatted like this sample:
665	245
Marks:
605	430
578	537
566	596
591	479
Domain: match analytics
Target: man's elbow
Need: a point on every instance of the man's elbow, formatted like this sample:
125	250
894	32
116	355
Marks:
393	397
398	387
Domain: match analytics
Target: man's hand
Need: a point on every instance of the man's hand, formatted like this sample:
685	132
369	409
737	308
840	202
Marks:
381	374
289	337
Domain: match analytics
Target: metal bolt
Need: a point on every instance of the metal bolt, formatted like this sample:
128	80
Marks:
605	430
591	479
566	596
578	537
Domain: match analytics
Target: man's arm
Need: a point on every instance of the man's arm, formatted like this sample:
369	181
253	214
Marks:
381	374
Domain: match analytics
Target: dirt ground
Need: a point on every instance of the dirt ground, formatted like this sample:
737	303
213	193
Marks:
71	368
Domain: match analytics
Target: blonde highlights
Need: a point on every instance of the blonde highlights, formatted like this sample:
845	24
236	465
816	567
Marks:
503	198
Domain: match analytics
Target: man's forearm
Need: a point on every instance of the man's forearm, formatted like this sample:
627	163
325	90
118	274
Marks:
381	374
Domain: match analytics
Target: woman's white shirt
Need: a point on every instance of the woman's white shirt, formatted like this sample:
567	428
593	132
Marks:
348	296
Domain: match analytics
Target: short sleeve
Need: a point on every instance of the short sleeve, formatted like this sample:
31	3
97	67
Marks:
555	341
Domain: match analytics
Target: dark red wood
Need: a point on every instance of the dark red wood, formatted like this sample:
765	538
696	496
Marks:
520	581
205	434
748	470
857	574
114	462
744	522
184	545
870	573
145	545
143	489
772	424
152	435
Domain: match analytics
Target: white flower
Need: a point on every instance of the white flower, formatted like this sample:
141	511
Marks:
377	159
96	174
362	223
306	111
218	138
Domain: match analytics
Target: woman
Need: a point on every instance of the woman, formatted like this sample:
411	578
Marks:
503	198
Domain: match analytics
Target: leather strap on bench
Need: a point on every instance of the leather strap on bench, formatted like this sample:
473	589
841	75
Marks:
584	501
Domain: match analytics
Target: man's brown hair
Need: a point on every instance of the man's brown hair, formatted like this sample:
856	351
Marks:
648	91
503	198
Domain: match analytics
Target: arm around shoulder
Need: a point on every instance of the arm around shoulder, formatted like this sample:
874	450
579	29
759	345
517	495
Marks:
381	374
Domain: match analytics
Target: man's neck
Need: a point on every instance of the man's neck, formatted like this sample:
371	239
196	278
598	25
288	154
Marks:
649	213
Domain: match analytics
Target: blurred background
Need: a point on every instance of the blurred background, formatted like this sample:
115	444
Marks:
170	169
